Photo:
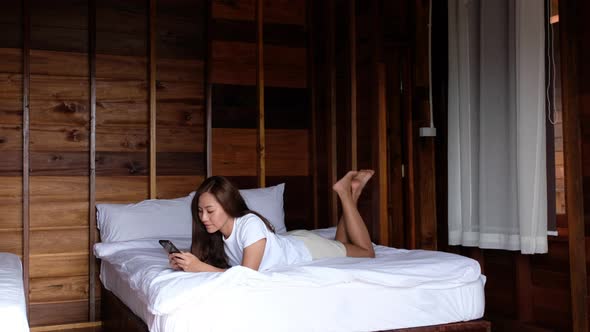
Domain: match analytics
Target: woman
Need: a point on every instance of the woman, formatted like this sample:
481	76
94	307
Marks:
227	230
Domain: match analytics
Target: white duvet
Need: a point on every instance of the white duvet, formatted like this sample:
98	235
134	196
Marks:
13	312
169	293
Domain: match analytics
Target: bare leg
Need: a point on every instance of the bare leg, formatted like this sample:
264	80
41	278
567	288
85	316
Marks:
360	242
357	185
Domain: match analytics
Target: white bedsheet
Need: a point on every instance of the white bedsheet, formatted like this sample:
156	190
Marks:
13	311
397	289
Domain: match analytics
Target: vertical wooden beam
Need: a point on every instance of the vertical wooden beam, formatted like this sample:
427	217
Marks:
571	40
379	128
152	69
381	157
352	69
524	296
26	91
260	92
311	85
332	122
410	190
92	142
395	188
208	90
425	156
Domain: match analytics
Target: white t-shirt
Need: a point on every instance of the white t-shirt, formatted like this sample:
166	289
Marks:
279	250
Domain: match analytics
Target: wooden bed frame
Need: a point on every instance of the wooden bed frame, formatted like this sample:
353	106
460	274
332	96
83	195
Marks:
117	317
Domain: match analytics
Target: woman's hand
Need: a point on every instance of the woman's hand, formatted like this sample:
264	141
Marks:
186	261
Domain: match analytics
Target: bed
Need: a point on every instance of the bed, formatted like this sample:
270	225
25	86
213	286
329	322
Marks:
402	290
13	311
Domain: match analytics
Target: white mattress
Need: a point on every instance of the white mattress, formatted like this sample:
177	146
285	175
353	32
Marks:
13	310
325	295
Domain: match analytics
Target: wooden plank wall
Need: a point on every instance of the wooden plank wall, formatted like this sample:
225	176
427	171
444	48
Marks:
11	134
180	145
286	100
391	82
60	130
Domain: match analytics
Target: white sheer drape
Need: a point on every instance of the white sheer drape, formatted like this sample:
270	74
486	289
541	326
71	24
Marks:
496	144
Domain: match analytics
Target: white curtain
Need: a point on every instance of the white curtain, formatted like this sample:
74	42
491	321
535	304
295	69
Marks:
496	144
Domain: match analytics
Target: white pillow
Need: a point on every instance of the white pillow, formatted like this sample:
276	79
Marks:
269	203
153	218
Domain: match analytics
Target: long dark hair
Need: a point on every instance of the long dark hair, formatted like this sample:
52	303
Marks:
209	247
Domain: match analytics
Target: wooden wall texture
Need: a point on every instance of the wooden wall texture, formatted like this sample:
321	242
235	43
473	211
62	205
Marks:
187	34
323	81
385	70
286	99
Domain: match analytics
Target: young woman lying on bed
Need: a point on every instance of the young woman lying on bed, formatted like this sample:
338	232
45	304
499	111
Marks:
228	233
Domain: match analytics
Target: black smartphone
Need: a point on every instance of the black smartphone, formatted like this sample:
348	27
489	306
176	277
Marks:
169	246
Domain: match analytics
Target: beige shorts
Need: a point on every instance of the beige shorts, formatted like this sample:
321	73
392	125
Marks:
318	246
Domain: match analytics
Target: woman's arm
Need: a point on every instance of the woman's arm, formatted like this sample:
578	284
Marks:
188	262
253	254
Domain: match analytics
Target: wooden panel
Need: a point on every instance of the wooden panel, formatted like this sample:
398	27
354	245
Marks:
501	282
11	163
58	88
59	265
235	63
11	240
10	137
50	31
59	214
112	90
245	31
49	189
68	112
550	306
235	106
121	67
119	189
180	139
180	70
287	12
59	163
121	27
59	289
285	66
287	108
11	189
287	152
11	86
234	152
179	90
126	138
177	186
188	113
55	63
180	163
121	163
10	113
59	240
119	113
180	29
58	312
12	60
58	137
11	24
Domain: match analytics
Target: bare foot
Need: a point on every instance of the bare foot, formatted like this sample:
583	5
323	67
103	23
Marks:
359	181
343	186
